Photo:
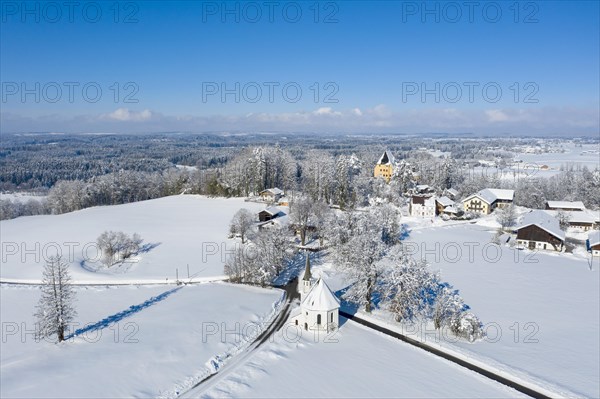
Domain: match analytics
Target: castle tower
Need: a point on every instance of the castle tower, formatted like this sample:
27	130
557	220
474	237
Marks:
385	166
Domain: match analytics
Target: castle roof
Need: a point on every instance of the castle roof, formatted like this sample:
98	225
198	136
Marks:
386	159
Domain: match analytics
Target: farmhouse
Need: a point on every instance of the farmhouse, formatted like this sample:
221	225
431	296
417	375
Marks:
319	307
565	206
582	220
487	200
443	203
593	243
422	205
540	230
451	193
271	194
270	213
385	166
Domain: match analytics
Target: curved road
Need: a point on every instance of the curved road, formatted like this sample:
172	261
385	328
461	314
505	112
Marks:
211	380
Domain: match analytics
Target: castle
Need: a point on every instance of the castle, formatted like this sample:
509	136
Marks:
385	166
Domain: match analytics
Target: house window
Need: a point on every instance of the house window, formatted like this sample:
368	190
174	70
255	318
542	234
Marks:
332	317
296	321
318	319
306	326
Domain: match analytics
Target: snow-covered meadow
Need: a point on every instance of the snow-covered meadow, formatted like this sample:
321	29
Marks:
179	231
145	341
541	309
354	362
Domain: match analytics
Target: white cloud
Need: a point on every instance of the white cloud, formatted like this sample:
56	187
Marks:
326	111
125	115
379	119
496	115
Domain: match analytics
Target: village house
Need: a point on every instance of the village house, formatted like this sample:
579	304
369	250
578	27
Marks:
451	193
582	220
593	243
269	213
442	204
540	230
487	200
565	206
422	205
271	194
385	166
319	307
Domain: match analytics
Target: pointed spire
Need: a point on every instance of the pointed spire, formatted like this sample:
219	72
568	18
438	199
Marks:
307	275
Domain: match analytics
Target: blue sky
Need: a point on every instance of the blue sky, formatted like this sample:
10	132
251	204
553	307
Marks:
369	60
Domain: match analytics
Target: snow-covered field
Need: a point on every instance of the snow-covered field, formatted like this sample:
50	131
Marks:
180	230
158	347
356	362
542	309
578	157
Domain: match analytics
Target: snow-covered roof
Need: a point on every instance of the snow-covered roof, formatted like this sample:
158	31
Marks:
566	205
544	221
452	192
450	209
578	216
320	298
490	195
274	191
594	238
273	210
445	201
386	158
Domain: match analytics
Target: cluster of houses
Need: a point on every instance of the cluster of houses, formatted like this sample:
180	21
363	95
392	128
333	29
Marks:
539	229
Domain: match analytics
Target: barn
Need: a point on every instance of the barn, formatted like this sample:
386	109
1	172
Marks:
540	230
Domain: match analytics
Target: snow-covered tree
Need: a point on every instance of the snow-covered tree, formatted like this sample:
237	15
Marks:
305	214
247	264
449	310
358	259
563	219
506	216
242	223
410	288
117	246
388	217
274	249
448	304
55	309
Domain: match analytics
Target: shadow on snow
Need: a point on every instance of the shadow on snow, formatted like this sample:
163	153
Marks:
121	315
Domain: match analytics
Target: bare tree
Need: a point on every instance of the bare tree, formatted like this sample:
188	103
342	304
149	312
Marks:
506	217
55	309
359	258
563	219
302	215
117	246
242	223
